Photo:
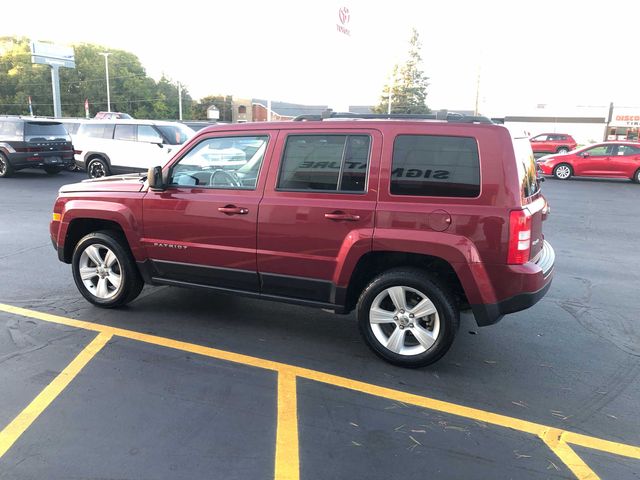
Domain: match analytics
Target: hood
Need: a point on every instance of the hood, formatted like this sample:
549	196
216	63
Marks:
133	182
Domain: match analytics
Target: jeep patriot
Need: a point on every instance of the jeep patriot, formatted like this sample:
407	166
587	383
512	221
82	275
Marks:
407	220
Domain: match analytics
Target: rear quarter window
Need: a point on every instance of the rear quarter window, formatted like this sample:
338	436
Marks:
435	166
527	170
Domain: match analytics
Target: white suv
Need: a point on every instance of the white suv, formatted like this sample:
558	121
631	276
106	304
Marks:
106	147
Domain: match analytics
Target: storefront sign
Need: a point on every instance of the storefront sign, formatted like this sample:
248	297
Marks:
625	118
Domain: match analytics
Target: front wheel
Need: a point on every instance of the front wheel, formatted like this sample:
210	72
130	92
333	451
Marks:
406	318
636	176
562	171
104	270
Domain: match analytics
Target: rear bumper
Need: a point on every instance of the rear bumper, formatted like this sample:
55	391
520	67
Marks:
535	280
21	160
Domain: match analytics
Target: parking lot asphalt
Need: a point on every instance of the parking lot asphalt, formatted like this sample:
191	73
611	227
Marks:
185	384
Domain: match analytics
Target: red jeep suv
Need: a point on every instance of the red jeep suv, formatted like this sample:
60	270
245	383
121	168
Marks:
407	220
553	143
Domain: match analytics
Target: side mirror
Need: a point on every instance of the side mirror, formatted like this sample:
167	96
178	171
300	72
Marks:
154	177
585	155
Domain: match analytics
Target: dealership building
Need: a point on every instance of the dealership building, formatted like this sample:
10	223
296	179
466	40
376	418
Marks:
586	124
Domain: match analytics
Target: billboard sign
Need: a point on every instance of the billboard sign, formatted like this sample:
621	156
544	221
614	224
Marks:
50	54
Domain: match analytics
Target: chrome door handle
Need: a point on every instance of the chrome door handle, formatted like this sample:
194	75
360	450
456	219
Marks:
341	216
233	210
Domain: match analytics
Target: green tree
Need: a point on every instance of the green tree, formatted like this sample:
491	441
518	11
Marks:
131	90
222	102
408	84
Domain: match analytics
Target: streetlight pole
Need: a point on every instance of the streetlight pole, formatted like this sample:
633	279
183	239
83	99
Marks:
106	72
179	101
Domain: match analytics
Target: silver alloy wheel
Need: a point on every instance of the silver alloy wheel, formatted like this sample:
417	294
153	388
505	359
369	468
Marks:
404	320
563	150
100	271
96	169
563	172
3	166
638	176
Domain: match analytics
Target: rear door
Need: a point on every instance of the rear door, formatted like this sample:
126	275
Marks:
317	215
202	228
626	160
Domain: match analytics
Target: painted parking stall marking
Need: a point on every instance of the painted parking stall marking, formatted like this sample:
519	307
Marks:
287	465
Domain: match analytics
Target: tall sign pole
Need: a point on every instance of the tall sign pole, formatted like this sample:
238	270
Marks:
55	56
106	73
179	101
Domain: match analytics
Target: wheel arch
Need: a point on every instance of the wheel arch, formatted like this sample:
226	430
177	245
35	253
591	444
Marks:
373	263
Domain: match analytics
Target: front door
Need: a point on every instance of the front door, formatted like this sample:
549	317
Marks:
202	228
594	161
317	215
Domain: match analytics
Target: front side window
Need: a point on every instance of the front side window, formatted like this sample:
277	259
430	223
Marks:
125	132
599	151
146	133
222	162
331	163
436	166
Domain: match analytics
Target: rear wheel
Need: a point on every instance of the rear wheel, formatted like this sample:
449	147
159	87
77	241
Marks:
104	270
563	150
563	171
5	167
52	170
97	167
406	318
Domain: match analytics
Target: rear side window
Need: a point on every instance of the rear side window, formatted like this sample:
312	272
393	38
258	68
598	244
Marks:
10	130
45	130
527	170
97	130
435	166
125	132
332	163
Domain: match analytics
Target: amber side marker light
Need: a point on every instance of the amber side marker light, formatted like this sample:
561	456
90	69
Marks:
55	217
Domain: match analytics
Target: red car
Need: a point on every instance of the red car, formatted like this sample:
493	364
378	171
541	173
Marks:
607	159
396	219
552	143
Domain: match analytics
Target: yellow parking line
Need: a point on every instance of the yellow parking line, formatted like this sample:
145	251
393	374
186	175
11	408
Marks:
287	461
553	437
17	427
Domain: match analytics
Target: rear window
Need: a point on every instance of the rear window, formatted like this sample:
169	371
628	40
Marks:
45	131
527	171
435	166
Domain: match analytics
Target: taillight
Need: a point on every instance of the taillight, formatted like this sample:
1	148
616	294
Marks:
519	237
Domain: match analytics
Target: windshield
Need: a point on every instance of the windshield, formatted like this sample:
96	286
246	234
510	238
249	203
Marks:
176	134
526	164
45	131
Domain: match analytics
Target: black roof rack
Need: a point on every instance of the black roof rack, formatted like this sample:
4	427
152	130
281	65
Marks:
439	115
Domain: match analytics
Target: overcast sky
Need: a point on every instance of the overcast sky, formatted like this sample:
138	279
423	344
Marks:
528	53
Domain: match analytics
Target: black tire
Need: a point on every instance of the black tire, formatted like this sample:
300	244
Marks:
412	280
130	280
6	170
562	150
636	176
98	167
52	170
559	172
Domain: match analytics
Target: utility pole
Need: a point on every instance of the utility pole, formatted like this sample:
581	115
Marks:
477	110
106	71
179	101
